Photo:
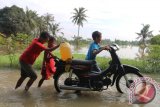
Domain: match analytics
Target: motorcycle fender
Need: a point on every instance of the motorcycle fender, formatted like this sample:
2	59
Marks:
129	68
58	71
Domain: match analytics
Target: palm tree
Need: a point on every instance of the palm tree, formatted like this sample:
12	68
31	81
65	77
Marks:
31	18
48	19
60	38
54	28
79	17
143	36
76	40
41	26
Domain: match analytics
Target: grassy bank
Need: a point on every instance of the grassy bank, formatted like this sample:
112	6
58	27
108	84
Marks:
102	61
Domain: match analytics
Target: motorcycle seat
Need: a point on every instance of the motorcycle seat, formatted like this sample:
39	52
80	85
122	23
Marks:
83	62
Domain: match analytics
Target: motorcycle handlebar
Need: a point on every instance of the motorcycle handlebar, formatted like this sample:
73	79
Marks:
114	47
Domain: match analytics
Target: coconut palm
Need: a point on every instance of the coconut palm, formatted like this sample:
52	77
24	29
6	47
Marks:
79	17
48	19
41	26
144	35
55	29
31	19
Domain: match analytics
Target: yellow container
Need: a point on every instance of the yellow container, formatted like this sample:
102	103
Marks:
65	51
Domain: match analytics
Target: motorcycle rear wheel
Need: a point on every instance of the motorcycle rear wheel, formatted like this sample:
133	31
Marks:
60	81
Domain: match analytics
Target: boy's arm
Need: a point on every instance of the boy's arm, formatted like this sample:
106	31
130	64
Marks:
52	55
97	51
53	48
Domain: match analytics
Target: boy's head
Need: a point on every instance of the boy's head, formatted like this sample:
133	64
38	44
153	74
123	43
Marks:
97	36
44	37
51	41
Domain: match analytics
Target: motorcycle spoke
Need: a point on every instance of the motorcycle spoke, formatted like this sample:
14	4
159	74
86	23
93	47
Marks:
123	84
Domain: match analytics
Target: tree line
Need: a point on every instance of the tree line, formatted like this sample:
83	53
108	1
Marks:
14	20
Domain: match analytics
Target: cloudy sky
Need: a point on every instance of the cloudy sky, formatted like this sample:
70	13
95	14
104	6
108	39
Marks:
116	19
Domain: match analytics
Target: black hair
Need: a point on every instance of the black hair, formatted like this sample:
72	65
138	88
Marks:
44	35
96	34
51	38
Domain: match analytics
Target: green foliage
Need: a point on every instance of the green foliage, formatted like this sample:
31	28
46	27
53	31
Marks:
85	42
47	23
13	20
78	18
153	58
11	45
155	40
5	61
77	40
124	42
55	29
102	62
60	39
31	17
144	35
80	41
22	39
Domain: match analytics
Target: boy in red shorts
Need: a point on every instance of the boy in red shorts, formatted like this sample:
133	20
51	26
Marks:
28	58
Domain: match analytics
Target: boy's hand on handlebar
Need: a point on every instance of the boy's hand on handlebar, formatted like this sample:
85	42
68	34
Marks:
106	47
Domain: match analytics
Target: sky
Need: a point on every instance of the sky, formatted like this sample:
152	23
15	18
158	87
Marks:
115	19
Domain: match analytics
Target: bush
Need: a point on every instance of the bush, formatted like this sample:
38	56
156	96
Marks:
155	40
153	58
11	45
142	65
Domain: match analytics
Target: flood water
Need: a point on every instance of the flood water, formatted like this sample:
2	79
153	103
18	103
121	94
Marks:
46	96
132	52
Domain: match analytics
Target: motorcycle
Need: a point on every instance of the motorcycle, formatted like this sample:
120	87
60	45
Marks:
78	75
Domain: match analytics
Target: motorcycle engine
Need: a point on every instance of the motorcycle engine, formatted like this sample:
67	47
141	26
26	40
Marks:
97	85
107	81
70	81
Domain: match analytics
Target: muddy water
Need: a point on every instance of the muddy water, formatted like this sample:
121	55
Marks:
46	96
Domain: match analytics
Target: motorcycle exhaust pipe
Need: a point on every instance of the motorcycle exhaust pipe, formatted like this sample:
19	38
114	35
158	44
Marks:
74	88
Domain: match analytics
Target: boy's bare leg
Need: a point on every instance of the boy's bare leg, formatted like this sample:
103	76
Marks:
20	81
40	82
29	83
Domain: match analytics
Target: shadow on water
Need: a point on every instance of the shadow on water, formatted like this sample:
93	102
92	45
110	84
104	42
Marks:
46	96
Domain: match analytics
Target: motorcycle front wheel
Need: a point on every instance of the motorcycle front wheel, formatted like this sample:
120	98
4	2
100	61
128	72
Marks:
122	85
